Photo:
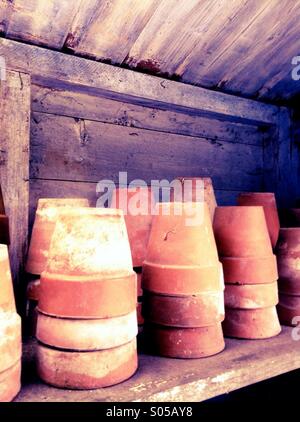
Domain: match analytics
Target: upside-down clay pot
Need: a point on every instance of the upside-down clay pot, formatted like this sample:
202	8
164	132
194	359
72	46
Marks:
10	340
184	342
251	323
4	223
268	202
46	216
182	256
137	205
7	299
251	296
89	269
85	335
87	370
10	383
250	270
289	309
242	232
185	312
195	189
288	260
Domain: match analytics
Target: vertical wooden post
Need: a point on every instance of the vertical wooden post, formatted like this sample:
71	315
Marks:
281	161
14	161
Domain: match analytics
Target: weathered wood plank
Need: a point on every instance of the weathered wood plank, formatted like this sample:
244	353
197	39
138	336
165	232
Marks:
14	161
281	162
84	106
107	29
38	21
130	86
158	379
72	149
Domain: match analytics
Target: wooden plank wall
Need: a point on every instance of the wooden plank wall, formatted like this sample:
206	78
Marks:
78	139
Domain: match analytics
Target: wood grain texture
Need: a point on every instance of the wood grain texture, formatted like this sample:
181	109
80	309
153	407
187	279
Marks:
86	106
38	21
107	29
14	161
127	85
65	148
242	363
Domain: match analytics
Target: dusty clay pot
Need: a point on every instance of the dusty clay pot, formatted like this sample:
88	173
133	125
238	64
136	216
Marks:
188	192
241	232
10	340
190	311
182	259
138	272
10	383
89	266
46	216
140	317
288	308
251	323
250	270
83	334
251	296
268	202
184	342
138	226
7	299
288	259
86	370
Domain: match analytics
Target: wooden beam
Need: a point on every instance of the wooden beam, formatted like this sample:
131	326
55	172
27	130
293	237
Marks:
50	67
160	379
14	161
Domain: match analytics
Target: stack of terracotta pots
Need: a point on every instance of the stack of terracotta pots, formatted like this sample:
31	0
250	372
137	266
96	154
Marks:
195	189
87	324
288	259
136	204
250	272
10	334
46	216
183	284
268	201
4	226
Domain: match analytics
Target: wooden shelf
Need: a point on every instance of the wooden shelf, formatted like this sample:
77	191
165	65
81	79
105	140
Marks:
242	363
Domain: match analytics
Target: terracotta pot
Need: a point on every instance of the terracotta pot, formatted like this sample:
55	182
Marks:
82	334
190	311
288	259
191	191
268	202
251	323
253	296
89	266
138	272
182	259
46	216
7	299
86	370
288	308
10	340
184	342
10	383
250	270
241	232
140	317
138	225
